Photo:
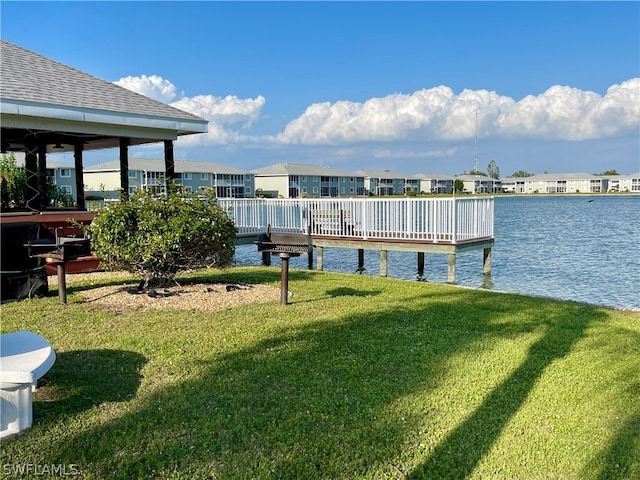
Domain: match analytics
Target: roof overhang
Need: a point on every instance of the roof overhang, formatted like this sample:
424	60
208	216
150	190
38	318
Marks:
94	129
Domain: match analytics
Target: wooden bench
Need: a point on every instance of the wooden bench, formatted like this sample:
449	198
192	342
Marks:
24	358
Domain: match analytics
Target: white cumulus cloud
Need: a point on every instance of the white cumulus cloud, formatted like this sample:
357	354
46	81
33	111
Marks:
151	86
226	115
561	112
433	114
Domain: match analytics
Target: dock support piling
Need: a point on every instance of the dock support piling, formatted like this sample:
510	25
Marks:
266	259
383	263
360	260
421	264
320	264
452	268
486	263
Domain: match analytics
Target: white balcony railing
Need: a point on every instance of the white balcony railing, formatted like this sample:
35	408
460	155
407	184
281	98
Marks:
450	220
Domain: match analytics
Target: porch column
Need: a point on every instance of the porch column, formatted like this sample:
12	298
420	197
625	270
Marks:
124	167
31	171
42	176
169	164
77	157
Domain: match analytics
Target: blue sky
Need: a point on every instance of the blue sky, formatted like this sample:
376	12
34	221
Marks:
405	86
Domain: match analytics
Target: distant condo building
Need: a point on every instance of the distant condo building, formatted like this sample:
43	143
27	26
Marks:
145	174
293	180
572	183
434	183
383	182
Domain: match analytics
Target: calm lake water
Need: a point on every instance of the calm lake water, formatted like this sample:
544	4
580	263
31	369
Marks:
582	248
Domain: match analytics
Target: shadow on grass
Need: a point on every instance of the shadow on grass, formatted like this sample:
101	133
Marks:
459	453
622	459
81	379
264	275
318	401
351	292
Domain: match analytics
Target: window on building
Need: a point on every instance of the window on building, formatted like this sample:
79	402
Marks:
204	176
132	189
66	189
315	189
65	172
133	174
186	176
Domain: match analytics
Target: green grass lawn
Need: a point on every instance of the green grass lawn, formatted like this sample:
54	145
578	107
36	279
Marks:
359	377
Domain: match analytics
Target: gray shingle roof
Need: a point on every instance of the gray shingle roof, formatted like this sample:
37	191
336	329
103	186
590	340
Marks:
155	165
433	176
382	174
301	169
29	77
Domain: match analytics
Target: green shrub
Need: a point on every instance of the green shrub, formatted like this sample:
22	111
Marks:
160	236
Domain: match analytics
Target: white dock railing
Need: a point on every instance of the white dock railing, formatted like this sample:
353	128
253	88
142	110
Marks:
437	220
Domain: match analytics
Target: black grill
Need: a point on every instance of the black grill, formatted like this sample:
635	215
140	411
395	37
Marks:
284	245
293	243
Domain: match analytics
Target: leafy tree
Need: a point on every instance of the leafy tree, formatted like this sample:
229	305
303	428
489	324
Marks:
160	236
493	171
13	183
522	174
458	185
13	187
609	172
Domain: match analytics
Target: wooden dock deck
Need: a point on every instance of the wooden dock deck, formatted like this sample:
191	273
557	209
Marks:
448	226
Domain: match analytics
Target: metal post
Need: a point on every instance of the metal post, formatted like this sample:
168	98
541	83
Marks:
62	282
284	279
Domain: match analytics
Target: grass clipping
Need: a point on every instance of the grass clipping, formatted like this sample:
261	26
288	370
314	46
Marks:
201	297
